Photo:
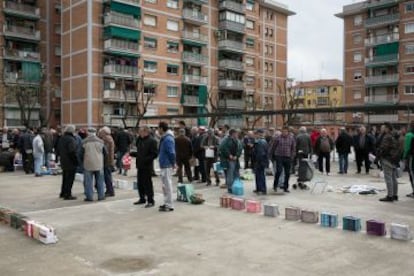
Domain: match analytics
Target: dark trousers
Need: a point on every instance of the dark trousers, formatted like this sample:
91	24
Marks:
327	157
68	176
362	156
145	187
186	163
260	179
202	168
27	159
209	162
247	158
282	164
108	180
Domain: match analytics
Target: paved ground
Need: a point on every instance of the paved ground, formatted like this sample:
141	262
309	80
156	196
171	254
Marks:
115	237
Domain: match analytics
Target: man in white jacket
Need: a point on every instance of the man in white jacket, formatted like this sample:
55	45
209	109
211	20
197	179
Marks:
38	153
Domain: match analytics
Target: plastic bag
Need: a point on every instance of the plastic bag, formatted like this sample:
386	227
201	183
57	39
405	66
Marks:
126	161
184	192
237	188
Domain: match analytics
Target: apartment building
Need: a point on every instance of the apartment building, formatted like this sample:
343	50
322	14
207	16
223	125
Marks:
318	94
30	63
183	55
378	57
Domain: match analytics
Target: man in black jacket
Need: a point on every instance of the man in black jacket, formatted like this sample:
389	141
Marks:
26	149
343	146
68	161
122	142
147	151
363	145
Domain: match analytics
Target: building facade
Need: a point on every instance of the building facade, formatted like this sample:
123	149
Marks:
30	63
174	57
318	94
378	57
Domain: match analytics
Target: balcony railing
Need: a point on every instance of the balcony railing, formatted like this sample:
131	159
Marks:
231	5
21	9
231	64
194	36
116	120
231	45
382	39
191	100
194	79
122	70
226	103
231	84
382	20
381	99
195	16
381	3
128	2
232	26
119	45
21	55
17	77
382	79
379	119
384	59
189	57
120	96
21	32
126	21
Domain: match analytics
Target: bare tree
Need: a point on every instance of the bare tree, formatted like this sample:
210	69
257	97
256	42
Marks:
289	101
253	103
142	101
27	99
213	100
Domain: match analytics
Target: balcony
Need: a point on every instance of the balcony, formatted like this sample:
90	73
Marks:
193	58
20	55
119	20
231	84
198	2
21	32
198	38
231	45
234	104
116	120
120	96
382	39
195	80
123	47
380	119
381	99
194	16
231	64
232	6
232	26
382	20
382	60
391	79
21	10
191	100
127	2
382	3
117	70
19	78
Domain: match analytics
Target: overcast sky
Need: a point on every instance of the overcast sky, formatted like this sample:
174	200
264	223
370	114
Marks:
315	45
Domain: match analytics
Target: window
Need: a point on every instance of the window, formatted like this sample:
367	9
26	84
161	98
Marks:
173	4
172	47
269	15
172	69
409	7
150	20
172	111
58	29
409	49
322	101
271	67
409	89
250	42
269	50
356	94
150	89
249	80
249	61
269	84
409	69
150	43
249	24
250	5
357	38
270	32
357	20
409	28
172	25
151	1
150	66
231	16
172	91
57	71
58	51
357	57
357	75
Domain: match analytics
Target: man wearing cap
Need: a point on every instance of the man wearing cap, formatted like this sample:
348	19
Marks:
66	148
210	144
260	161
93	154
230	150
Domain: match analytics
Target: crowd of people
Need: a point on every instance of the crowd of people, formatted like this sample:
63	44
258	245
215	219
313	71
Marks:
98	154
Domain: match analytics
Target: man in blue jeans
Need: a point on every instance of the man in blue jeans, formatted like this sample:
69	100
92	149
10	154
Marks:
230	151
93	154
260	162
343	146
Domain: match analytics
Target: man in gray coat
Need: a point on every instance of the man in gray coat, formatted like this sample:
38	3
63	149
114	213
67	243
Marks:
303	144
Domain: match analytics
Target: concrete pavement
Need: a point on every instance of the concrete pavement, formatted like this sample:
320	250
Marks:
114	237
